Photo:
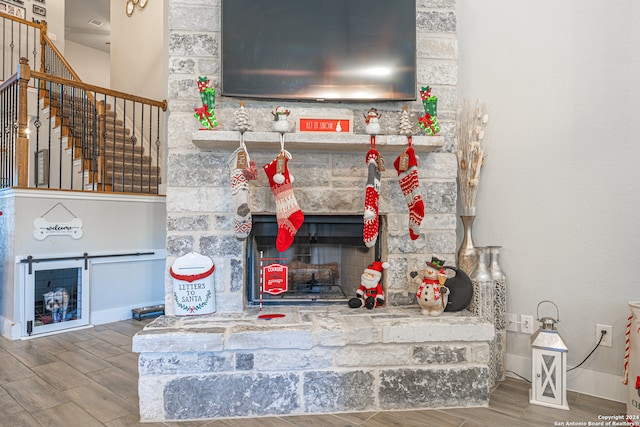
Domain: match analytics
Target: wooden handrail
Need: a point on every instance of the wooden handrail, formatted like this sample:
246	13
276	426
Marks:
50	67
8	82
21	21
46	41
93	88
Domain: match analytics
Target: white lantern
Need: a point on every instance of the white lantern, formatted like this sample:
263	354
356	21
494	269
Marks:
548	364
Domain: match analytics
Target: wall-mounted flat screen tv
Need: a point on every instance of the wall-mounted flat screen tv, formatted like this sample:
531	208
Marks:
326	50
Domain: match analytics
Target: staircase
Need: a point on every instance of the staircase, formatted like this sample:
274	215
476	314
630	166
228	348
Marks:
83	137
107	154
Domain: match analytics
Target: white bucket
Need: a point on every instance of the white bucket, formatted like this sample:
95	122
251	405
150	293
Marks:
193	291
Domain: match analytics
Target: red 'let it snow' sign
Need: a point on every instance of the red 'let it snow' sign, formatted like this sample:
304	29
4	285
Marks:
324	125
275	279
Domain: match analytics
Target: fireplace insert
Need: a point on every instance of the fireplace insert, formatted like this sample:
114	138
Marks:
324	263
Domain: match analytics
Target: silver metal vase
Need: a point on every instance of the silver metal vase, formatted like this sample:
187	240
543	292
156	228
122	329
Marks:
482	302
499	345
500	287
467	257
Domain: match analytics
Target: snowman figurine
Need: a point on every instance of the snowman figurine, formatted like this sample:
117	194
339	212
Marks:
281	124
372	126
432	295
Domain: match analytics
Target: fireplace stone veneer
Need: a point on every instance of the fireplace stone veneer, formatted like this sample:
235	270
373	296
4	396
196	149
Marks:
317	359
314	360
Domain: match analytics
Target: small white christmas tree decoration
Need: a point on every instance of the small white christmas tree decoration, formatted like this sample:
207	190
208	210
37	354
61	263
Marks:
405	122
241	119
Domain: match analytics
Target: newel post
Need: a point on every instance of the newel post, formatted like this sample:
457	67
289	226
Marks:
22	142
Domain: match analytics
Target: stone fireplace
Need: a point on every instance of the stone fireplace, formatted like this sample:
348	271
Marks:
330	178
324	262
317	358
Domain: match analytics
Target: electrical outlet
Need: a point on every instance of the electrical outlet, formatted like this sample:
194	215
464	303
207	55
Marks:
608	334
527	324
512	322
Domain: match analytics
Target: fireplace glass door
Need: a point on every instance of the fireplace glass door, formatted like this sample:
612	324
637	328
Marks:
56	296
325	261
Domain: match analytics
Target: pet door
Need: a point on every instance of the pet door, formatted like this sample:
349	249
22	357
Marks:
56	296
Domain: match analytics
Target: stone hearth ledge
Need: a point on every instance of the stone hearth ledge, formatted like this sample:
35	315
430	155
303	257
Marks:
322	359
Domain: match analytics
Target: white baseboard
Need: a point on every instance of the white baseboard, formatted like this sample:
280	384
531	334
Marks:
116	314
60	331
9	329
593	383
13	331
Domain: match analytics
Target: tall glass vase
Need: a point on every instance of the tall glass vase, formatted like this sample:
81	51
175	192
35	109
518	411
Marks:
467	256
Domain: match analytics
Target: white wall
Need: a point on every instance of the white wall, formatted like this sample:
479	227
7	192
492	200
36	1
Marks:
139	50
54	18
560	187
93	66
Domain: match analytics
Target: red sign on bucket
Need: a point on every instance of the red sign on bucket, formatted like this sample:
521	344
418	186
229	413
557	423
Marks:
275	278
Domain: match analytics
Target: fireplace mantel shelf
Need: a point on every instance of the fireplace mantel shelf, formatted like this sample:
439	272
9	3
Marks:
312	141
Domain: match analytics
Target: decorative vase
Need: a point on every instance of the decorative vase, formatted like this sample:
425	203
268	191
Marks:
482	302
483	305
481	273
500	287
467	257
498	349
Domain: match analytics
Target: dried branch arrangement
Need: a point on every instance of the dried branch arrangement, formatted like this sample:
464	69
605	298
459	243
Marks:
472	120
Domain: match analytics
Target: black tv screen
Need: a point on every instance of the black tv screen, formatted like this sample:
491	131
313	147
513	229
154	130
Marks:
336	50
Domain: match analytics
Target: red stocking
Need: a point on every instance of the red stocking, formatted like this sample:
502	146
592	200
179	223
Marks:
288	213
407	166
371	199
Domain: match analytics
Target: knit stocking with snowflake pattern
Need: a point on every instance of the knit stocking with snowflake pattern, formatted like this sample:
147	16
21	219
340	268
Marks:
288	214
240	194
407	167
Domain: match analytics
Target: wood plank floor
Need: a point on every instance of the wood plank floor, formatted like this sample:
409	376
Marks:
89	378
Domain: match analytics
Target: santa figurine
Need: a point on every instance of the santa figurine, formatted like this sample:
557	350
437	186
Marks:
370	293
372	125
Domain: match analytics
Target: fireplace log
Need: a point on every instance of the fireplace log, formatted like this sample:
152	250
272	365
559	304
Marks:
302	272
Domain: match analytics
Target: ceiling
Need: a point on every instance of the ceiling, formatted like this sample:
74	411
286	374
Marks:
78	13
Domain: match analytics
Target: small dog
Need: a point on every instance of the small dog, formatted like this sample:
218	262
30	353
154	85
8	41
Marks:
57	302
